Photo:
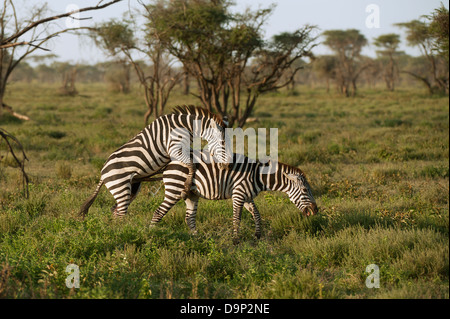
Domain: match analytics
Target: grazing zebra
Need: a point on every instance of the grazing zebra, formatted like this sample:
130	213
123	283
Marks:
153	148
243	181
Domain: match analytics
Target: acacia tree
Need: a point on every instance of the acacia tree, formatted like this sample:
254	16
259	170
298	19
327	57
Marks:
431	41
325	66
439	29
113	37
68	73
226	53
158	80
347	45
388	44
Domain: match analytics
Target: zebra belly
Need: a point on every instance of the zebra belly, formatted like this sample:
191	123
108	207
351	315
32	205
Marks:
119	171
214	189
210	182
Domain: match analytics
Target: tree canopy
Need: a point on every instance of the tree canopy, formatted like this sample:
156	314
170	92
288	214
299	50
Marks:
216	46
347	45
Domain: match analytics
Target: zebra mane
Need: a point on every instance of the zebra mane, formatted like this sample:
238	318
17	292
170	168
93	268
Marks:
285	168
197	110
291	169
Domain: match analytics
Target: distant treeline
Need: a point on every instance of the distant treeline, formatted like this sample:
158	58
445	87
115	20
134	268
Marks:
319	72
207	48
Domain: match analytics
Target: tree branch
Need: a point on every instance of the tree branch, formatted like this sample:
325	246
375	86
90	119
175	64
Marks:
10	110
33	25
6	137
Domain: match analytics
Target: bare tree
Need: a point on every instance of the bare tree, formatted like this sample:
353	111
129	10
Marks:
12	146
68	74
19	39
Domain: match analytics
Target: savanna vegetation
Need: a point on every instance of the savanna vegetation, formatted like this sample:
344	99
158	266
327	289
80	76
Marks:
377	164
371	134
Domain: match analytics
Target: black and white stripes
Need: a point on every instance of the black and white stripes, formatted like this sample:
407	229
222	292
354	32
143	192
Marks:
242	182
167	138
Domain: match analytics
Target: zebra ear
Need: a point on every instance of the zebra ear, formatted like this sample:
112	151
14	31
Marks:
291	177
225	121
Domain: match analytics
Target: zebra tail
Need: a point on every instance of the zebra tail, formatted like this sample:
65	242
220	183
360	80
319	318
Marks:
85	207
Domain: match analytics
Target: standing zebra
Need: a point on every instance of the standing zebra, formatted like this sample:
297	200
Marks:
243	181
153	148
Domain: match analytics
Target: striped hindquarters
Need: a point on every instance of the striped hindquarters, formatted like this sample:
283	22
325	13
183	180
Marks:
142	156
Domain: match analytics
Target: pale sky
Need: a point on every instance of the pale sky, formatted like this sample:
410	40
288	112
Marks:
287	16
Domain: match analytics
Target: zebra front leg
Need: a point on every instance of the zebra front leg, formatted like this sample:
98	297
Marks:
191	211
162	210
238	203
251	207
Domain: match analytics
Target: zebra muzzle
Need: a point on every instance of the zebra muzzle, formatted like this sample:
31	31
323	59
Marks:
311	210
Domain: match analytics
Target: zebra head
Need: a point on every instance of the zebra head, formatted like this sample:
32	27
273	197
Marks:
214	134
300	193
212	129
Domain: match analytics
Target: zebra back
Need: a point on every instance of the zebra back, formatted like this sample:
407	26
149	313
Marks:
199	111
211	182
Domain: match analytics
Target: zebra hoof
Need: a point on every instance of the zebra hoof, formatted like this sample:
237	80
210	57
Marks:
235	241
194	232
114	208
258	236
118	217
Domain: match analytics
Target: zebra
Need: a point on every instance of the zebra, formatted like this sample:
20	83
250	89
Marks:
153	148
242	182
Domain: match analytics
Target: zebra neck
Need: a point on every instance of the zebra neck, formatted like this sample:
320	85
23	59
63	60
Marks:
197	125
194	124
273	178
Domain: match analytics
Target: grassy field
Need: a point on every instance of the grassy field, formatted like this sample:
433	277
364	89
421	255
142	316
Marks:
378	165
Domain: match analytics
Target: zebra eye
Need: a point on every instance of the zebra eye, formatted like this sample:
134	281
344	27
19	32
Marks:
304	190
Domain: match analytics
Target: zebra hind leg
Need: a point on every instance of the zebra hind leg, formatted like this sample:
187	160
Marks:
122	204
238	203
251	207
191	212
122	195
135	187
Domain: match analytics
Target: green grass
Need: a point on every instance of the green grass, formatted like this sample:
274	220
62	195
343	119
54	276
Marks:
377	164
